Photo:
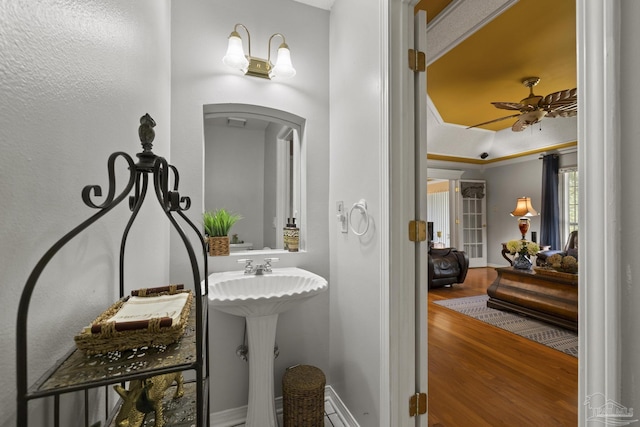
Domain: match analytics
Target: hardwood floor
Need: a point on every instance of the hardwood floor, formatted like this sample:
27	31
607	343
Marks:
480	375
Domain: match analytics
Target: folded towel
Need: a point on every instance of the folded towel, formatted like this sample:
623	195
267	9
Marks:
146	308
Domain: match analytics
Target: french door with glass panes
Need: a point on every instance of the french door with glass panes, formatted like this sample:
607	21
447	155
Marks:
473	205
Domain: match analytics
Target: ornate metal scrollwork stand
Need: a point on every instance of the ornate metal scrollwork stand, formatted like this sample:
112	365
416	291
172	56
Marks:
172	203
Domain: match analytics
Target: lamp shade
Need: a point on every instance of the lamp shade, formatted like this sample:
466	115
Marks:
283	68
524	207
235	57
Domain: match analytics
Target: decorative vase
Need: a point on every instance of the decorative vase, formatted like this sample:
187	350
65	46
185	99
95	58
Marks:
218	246
523	225
522	262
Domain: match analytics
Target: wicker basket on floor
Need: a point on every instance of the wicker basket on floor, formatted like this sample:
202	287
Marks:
303	396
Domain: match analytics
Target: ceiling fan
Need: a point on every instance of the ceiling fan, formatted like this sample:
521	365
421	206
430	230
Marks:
533	108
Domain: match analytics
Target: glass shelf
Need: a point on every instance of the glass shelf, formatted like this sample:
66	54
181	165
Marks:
79	371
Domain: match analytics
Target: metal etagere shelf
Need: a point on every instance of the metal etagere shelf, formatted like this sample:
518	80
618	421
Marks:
77	371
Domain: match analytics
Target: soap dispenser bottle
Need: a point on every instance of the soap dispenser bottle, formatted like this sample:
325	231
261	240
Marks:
291	236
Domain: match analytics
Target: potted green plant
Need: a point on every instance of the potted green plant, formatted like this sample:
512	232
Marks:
217	224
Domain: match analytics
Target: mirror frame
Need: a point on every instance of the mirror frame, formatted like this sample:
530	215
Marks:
298	125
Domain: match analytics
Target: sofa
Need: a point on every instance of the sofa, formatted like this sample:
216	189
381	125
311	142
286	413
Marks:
570	248
447	266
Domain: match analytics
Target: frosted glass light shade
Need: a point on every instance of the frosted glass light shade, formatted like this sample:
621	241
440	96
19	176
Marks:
283	68
235	57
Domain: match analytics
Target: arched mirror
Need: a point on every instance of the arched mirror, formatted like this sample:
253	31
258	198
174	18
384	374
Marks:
253	163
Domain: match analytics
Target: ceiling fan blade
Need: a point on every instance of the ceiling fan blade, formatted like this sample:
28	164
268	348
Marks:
519	125
564	98
493	121
510	106
563	103
562	113
569	106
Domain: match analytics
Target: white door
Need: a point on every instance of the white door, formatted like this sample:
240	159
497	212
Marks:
407	355
422	249
473	205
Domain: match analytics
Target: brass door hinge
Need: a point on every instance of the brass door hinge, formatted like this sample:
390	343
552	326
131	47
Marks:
417	231
417	61
418	404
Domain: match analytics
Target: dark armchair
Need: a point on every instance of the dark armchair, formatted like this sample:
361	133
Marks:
570	248
447	266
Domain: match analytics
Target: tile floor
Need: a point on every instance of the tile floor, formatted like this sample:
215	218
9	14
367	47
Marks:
331	417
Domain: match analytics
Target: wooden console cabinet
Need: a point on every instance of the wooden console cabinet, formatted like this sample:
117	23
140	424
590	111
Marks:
547	295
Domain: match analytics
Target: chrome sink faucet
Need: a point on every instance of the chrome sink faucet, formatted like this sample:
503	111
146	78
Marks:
258	269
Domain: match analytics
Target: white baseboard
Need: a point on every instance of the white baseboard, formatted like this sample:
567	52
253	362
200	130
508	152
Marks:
341	410
228	417
497	265
235	416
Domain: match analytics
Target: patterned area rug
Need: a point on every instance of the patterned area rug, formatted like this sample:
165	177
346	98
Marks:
535	330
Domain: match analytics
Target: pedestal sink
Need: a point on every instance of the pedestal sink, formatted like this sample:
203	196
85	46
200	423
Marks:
260	298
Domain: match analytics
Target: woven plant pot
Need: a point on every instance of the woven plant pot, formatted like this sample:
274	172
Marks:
219	246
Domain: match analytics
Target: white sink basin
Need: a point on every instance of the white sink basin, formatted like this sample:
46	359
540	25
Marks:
247	295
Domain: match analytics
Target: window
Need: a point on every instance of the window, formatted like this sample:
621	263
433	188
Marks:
568	202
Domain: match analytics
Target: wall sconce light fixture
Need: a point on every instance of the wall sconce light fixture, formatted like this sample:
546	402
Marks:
258	67
524	209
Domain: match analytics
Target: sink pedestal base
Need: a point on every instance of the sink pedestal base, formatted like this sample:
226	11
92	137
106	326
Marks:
261	332
259	299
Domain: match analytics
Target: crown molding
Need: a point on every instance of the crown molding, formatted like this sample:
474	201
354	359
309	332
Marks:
468	160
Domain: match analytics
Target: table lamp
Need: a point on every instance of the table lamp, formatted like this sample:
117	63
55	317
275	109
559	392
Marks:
524	210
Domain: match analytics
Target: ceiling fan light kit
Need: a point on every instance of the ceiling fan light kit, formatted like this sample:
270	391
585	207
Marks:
534	108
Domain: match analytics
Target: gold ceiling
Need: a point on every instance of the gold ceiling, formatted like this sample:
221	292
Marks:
531	38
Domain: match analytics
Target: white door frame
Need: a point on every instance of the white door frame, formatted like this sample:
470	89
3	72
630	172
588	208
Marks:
400	164
453	176
421	248
599	141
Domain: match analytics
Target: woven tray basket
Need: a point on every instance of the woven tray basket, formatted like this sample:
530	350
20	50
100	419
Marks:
303	396
110	339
